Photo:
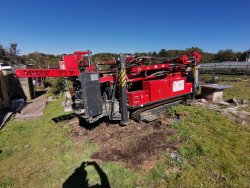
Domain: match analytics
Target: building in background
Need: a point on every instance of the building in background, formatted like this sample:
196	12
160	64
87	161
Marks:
248	56
227	67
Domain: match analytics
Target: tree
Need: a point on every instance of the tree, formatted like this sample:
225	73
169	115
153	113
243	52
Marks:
12	53
225	55
13	49
154	54
207	57
162	53
194	49
41	60
104	57
174	53
2	53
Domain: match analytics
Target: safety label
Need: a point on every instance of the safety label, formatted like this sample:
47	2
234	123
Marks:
178	85
93	77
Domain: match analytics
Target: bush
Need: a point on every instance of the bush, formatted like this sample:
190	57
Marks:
57	85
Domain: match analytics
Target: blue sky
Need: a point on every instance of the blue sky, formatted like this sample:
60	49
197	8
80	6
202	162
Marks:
63	26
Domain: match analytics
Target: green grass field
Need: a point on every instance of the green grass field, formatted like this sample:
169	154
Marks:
215	152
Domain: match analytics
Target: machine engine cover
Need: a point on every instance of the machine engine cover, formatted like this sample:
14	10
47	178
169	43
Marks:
69	62
91	93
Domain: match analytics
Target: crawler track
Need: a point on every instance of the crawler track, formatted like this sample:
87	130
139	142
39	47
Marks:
135	115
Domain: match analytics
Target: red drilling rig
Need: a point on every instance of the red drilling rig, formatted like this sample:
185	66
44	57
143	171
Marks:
135	87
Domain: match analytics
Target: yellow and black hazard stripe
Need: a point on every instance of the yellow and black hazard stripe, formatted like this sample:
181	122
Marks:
122	78
194	71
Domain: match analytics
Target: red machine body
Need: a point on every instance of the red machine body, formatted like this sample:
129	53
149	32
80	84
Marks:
69	67
69	62
155	90
72	61
138	98
145	84
38	73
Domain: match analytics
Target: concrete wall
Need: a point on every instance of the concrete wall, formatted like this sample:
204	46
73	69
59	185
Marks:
26	84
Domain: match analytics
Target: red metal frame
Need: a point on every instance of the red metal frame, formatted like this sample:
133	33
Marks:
110	79
147	68
81	54
153	88
38	73
69	66
138	84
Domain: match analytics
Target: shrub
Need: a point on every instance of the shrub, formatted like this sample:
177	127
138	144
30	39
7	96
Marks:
57	85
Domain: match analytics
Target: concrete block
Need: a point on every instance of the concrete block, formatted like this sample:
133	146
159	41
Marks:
211	94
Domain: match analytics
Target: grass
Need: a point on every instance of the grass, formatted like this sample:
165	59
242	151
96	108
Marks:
39	153
216	152
7	182
31	150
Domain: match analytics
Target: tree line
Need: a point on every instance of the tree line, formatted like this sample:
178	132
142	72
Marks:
220	56
12	55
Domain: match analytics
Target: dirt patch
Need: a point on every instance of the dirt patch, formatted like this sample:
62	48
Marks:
139	152
137	145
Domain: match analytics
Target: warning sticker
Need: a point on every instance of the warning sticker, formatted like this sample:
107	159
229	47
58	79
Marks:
93	77
178	85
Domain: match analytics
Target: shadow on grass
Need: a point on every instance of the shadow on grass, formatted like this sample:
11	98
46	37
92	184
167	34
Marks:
64	117
40	92
82	122
79	178
91	126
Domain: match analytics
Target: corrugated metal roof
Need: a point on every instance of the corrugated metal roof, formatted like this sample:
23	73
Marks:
226	63
216	86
